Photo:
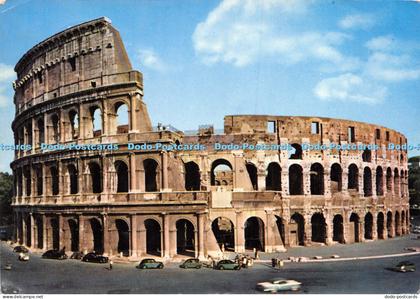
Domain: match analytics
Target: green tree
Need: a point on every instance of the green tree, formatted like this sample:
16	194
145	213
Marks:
6	194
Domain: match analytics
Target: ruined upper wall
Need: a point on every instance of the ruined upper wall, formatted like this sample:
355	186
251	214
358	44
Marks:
316	129
85	56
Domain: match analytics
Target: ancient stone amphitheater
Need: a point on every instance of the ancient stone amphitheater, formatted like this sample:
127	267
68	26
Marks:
78	87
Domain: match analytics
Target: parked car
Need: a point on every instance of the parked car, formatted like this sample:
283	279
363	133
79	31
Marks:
150	264
20	248
228	265
405	266
54	254
23	257
279	284
191	263
93	257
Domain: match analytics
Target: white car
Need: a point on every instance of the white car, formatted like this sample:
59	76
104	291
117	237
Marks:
279	284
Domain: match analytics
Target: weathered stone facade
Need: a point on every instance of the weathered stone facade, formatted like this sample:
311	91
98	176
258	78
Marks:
165	203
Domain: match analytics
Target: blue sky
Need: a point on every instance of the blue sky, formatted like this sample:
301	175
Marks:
202	60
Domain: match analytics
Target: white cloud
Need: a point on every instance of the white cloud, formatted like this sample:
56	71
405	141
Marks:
357	21
380	43
242	32
350	88
151	60
7	75
2	2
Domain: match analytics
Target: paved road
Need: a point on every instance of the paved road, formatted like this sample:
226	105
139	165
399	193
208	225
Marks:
70	276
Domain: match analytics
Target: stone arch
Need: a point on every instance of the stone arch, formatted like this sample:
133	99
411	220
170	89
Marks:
55	187
380	225
153	237
41	131
295	180
254	233
150	175
55	233
336	178
74	234
39	181
123	236
389	224
396	182
389	179
74	124
73	179
367	156
185	237
297	229
97	234
281	228
96	121
353	177
121	169
253	176
319	228
354	229
367	182
192	176
39	232
55	128
224	232
397	223
368	226
296	151
220	166
338	229
379	181
317	179
121	118
273	178
95	177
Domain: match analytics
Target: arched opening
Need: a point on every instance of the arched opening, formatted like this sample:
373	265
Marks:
354	228
41	132
73	179
379	181
150	173
192	176
353	182
153	241
380	225
221	170
295	180
39	181
367	155
396	182
96	117
96	177
123	237
389	224
55	128
254	234
74	235
367	182
28	181
28	231
273	178
297	229
223	231
388	179
122	176
121	111
252	173
403	222
368	226
98	235
74	124
281	229
317	179
54	180
319	228
403	183
185	238
397	223
55	233
39	233
338	229
295	152
336	178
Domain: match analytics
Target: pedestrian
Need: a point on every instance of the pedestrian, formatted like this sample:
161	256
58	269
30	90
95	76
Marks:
110	265
273	262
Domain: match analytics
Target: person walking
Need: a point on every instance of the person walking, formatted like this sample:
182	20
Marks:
110	265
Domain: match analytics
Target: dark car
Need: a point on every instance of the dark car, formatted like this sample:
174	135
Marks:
228	265
54	254
20	249
405	266
150	264
191	263
93	257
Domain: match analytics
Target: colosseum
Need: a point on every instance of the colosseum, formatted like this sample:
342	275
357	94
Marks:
135	189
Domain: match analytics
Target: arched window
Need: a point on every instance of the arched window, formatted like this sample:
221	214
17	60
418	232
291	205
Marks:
54	180
73	179
367	182
192	177
295	180
74	124
379	181
121	111
96	177
150	173
317	179
336	178
55	128
41	134
96	117
396	182
122	176
296	151
273	179
388	179
221	170
252	173
367	155
353	182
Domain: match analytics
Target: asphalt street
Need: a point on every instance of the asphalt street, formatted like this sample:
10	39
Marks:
40	276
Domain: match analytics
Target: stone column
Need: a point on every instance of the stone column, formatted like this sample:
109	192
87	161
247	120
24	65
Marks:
329	229
106	237
164	176
166	236
61	240
32	226
44	232
24	235
201	220
268	234
133	174
308	230
82	243
134	97
373	180
196	242
374	226
385	228
361	182
239	233
345	181
133	242
306	182
327	183
362	230
284	182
